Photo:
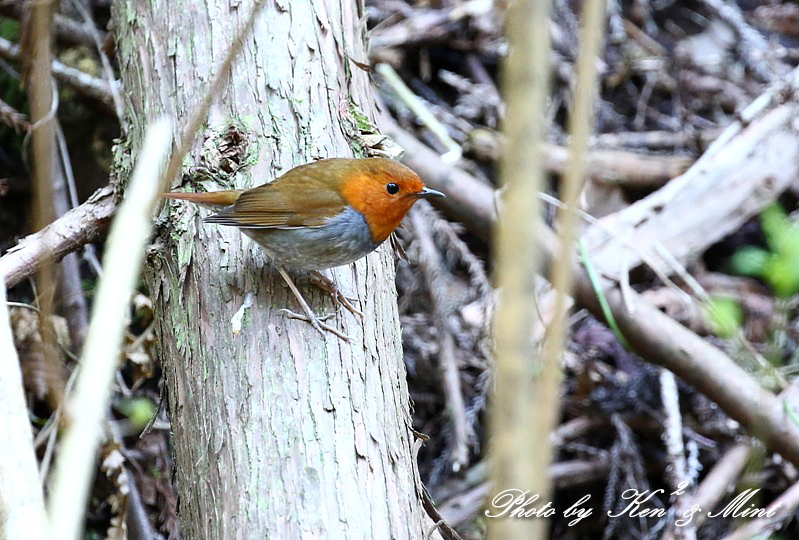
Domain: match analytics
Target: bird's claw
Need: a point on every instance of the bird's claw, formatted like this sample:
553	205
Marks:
346	302
316	322
322	282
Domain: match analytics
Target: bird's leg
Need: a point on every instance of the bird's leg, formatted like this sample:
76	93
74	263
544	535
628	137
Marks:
309	316
327	285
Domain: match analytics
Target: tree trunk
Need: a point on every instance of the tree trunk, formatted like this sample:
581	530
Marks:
278	431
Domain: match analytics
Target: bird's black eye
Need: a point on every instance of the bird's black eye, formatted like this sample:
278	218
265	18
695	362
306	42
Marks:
392	188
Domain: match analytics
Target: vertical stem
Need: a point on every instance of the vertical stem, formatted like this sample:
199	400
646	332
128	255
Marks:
580	122
40	95
39	80
515	453
21	499
130	231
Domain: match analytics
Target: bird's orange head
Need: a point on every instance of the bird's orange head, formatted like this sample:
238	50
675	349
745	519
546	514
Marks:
383	191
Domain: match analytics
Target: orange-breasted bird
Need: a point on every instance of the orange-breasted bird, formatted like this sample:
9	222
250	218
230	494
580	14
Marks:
319	215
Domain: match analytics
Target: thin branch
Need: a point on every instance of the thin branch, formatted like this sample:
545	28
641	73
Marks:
424	115
677	469
108	71
13	118
721	479
84	83
70	288
42	98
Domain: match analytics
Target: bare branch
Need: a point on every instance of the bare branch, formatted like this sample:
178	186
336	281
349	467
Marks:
79	226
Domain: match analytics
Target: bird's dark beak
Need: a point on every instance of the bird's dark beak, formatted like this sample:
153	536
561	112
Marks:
427	192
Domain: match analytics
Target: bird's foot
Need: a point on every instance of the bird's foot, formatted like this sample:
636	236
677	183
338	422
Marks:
327	285
309	315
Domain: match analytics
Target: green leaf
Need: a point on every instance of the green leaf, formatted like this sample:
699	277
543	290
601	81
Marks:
776	227
750	261
138	410
782	274
724	315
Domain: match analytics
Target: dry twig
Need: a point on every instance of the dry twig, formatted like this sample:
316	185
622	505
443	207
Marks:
430	263
716	484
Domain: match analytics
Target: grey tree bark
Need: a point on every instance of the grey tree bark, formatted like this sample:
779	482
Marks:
278	432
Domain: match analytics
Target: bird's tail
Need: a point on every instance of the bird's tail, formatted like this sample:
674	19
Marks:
213	199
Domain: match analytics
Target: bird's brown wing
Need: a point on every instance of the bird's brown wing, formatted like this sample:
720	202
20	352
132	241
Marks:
296	199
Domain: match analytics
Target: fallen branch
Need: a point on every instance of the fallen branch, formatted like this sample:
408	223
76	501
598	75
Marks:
623	167
747	167
605	165
656	140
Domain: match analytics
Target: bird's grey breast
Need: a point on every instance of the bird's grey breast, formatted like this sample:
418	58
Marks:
342	239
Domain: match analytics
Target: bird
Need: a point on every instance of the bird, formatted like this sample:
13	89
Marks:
319	215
